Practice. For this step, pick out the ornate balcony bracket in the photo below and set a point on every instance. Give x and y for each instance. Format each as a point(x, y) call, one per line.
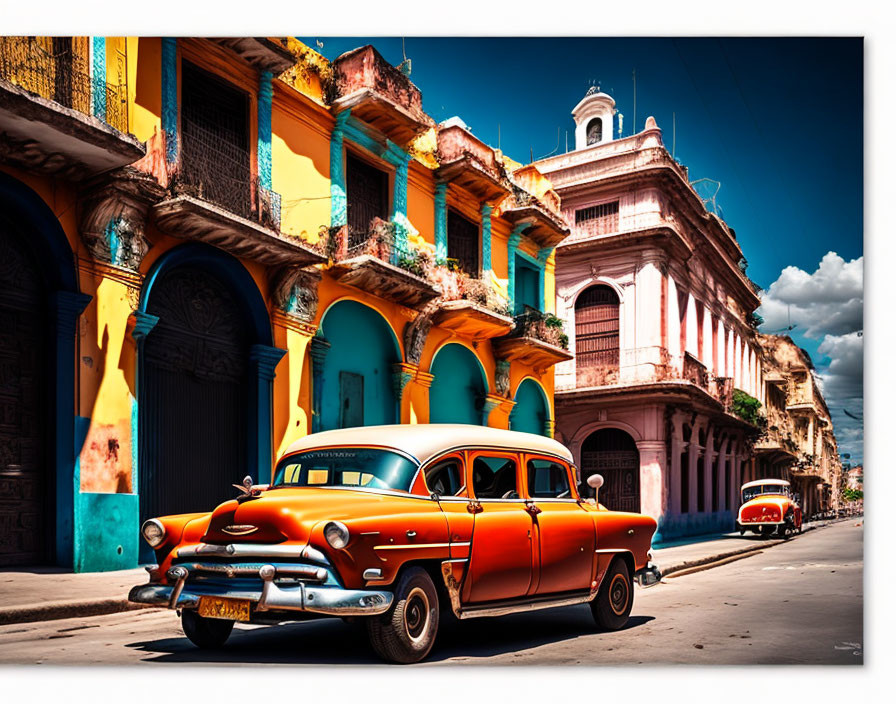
point(114, 212)
point(295, 292)
point(415, 334)
point(502, 377)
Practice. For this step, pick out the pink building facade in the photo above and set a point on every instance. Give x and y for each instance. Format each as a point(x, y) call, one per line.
point(658, 314)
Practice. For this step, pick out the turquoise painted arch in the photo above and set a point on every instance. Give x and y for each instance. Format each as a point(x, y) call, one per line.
point(531, 410)
point(357, 376)
point(459, 386)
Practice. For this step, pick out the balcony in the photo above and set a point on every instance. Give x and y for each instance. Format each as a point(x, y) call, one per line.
point(536, 340)
point(379, 94)
point(374, 262)
point(470, 164)
point(695, 372)
point(48, 103)
point(262, 53)
point(469, 306)
point(214, 198)
point(545, 228)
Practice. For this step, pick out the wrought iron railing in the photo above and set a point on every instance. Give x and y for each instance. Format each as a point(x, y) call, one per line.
point(57, 68)
point(214, 169)
point(545, 327)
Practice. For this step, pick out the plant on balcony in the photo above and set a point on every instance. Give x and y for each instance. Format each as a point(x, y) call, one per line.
point(748, 408)
point(756, 320)
point(546, 327)
point(456, 285)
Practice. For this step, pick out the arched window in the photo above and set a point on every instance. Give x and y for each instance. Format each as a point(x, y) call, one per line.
point(595, 132)
point(597, 334)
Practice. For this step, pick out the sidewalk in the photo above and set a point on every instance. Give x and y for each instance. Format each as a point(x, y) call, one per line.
point(47, 593)
point(704, 550)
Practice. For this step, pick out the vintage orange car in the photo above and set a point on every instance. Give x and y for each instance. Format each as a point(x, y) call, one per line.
point(393, 524)
point(768, 507)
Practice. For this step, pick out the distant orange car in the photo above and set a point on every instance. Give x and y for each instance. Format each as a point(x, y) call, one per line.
point(391, 523)
point(769, 506)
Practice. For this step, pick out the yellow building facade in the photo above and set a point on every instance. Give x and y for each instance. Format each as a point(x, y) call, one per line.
point(213, 247)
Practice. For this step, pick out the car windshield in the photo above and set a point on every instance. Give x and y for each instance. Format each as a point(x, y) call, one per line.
point(754, 491)
point(346, 467)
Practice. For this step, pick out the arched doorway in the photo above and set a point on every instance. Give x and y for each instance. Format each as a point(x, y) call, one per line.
point(597, 336)
point(458, 386)
point(26, 478)
point(195, 394)
point(613, 454)
point(356, 381)
point(531, 412)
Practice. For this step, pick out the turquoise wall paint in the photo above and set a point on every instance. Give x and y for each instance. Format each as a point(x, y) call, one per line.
point(531, 411)
point(338, 203)
point(361, 342)
point(458, 387)
point(108, 532)
point(169, 97)
point(265, 96)
point(513, 243)
point(441, 224)
point(527, 290)
point(98, 71)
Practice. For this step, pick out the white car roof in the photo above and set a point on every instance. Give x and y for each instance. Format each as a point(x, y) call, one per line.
point(759, 482)
point(425, 441)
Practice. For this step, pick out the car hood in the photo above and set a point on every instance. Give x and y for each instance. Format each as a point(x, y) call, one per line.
point(289, 514)
point(755, 506)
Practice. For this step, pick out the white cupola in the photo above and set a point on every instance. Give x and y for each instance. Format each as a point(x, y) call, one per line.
point(594, 118)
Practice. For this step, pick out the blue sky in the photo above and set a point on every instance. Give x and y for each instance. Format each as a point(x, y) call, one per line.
point(777, 121)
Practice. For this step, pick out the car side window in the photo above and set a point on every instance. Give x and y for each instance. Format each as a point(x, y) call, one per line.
point(495, 478)
point(547, 480)
point(445, 478)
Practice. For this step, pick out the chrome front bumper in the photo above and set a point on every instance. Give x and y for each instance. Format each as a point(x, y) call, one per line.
point(648, 576)
point(327, 600)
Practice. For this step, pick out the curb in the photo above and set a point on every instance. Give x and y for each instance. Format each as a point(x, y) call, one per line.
point(55, 610)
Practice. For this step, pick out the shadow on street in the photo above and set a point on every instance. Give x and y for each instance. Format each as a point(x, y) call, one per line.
point(334, 642)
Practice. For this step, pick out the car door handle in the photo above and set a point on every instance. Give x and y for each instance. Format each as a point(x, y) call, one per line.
point(474, 507)
point(532, 509)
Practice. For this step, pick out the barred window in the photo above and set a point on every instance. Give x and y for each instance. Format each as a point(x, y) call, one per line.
point(603, 211)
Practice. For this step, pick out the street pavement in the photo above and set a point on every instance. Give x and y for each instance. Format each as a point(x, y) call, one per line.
point(797, 602)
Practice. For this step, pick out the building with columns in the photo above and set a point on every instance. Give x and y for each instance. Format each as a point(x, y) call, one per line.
point(211, 247)
point(798, 442)
point(659, 316)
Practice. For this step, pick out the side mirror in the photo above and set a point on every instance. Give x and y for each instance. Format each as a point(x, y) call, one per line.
point(595, 481)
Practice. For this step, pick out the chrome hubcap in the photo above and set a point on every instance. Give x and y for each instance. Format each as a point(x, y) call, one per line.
point(416, 614)
point(618, 595)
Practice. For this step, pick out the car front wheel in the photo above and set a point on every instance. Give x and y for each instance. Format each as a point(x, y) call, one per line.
point(407, 632)
point(206, 633)
point(613, 603)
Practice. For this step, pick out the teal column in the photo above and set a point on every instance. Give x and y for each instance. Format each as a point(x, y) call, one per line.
point(338, 202)
point(486, 240)
point(512, 243)
point(543, 255)
point(263, 361)
point(441, 202)
point(317, 349)
point(98, 76)
point(265, 98)
point(169, 97)
point(66, 307)
point(400, 207)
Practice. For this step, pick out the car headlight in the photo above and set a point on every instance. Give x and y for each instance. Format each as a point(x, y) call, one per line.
point(337, 534)
point(153, 532)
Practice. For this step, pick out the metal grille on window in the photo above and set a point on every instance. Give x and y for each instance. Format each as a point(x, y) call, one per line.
point(600, 219)
point(597, 328)
point(463, 243)
point(368, 198)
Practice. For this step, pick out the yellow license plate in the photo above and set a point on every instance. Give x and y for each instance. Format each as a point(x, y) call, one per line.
point(222, 607)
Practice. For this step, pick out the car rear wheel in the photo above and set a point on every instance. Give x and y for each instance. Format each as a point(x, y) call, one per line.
point(613, 603)
point(406, 633)
point(207, 633)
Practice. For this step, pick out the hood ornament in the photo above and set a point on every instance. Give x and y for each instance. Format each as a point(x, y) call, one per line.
point(243, 529)
point(246, 486)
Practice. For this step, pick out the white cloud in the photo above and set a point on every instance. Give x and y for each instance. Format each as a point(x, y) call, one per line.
point(828, 301)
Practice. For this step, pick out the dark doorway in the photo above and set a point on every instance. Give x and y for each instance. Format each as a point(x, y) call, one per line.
point(26, 507)
point(351, 400)
point(367, 195)
point(613, 454)
point(463, 243)
point(194, 404)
